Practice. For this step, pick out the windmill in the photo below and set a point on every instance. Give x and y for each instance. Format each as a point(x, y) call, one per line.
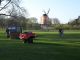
point(45, 19)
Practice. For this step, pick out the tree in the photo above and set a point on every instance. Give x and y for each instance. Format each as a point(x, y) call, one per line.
point(49, 22)
point(15, 12)
point(2, 21)
point(12, 8)
point(33, 20)
point(55, 21)
point(75, 23)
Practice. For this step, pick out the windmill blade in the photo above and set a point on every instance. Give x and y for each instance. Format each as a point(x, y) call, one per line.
point(44, 11)
point(48, 11)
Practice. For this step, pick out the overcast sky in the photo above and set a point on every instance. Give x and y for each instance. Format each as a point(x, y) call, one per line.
point(64, 10)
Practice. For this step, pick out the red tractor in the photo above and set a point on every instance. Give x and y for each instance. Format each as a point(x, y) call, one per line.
point(27, 37)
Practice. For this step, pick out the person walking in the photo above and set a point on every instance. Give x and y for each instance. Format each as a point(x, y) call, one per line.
point(61, 32)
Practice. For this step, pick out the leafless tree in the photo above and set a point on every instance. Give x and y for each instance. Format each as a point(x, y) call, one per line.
point(12, 8)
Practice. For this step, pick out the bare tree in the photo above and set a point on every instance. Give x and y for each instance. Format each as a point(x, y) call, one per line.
point(55, 21)
point(12, 8)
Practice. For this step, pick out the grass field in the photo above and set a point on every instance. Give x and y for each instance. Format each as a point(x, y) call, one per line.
point(47, 46)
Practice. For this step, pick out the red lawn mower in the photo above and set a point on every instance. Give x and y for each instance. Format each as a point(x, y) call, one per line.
point(27, 37)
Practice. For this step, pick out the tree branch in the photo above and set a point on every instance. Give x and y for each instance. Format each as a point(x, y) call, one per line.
point(5, 5)
point(18, 6)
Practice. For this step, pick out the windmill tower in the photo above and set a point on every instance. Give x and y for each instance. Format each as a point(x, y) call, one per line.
point(45, 19)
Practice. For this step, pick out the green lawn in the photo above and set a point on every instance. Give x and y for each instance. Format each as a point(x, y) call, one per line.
point(47, 46)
